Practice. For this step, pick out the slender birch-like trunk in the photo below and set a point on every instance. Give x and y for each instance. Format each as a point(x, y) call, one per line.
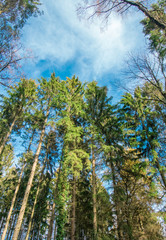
point(94, 196)
point(15, 193)
point(29, 185)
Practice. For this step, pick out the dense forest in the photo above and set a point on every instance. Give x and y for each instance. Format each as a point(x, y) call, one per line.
point(73, 165)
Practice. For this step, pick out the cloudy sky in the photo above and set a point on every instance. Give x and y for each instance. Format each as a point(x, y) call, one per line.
point(61, 42)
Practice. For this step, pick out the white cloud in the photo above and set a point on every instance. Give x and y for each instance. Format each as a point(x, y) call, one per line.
point(59, 37)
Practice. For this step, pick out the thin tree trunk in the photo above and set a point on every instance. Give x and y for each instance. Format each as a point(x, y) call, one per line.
point(34, 204)
point(51, 222)
point(55, 231)
point(29, 185)
point(94, 196)
point(12, 204)
point(21, 232)
point(53, 209)
point(73, 209)
point(13, 223)
point(10, 224)
point(116, 202)
point(7, 135)
point(15, 193)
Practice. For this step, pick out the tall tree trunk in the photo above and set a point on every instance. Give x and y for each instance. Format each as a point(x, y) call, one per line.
point(34, 204)
point(116, 202)
point(51, 222)
point(12, 227)
point(53, 208)
point(29, 185)
point(94, 196)
point(55, 231)
point(7, 135)
point(73, 209)
point(16, 191)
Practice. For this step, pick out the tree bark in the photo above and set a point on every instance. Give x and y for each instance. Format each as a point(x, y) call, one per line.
point(29, 185)
point(7, 135)
point(10, 224)
point(12, 204)
point(53, 209)
point(12, 227)
point(116, 202)
point(147, 13)
point(94, 196)
point(51, 222)
point(73, 209)
point(15, 193)
point(55, 231)
point(34, 204)
point(121, 4)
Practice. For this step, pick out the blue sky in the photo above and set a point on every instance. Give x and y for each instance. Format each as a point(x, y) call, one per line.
point(60, 42)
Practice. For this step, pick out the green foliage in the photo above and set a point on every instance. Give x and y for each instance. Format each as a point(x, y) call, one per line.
point(86, 139)
point(155, 34)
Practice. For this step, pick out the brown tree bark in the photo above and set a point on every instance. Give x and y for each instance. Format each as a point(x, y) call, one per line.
point(12, 227)
point(15, 193)
point(29, 185)
point(34, 204)
point(106, 6)
point(116, 202)
point(53, 209)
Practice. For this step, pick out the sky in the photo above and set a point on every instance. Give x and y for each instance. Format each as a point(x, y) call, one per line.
point(62, 43)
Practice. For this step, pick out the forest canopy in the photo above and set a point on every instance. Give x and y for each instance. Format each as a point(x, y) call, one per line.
point(73, 165)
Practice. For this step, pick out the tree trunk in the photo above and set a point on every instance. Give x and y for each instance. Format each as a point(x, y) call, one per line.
point(53, 209)
point(55, 231)
point(147, 13)
point(73, 209)
point(51, 222)
point(94, 196)
point(34, 204)
point(29, 185)
point(12, 204)
point(15, 193)
point(12, 227)
point(7, 135)
point(116, 202)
